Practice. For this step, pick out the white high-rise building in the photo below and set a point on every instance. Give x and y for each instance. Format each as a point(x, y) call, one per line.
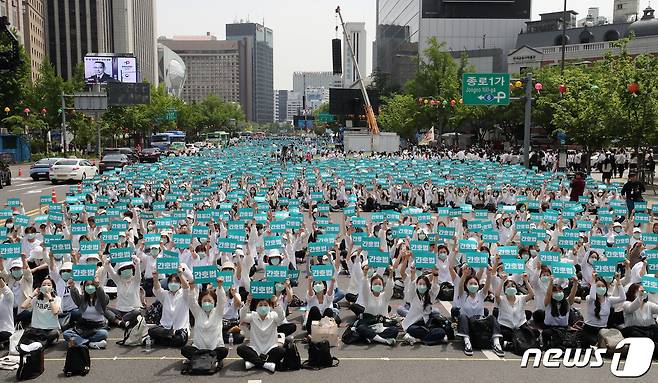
point(145, 40)
point(302, 80)
point(356, 32)
point(625, 11)
point(294, 105)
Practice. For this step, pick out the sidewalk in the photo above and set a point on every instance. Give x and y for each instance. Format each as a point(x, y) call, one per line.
point(651, 195)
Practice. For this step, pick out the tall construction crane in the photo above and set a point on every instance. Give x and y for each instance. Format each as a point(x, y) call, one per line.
point(370, 114)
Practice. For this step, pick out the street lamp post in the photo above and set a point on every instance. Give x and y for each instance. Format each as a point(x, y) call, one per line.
point(564, 35)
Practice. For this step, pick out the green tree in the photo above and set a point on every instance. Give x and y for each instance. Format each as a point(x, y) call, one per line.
point(398, 114)
point(14, 84)
point(220, 115)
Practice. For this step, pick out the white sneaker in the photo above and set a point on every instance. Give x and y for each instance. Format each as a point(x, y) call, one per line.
point(269, 366)
point(409, 339)
point(98, 345)
point(248, 365)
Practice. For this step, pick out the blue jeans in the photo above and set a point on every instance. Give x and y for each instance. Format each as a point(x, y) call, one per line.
point(338, 295)
point(630, 204)
point(70, 334)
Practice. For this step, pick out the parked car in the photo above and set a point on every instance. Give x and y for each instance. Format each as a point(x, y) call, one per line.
point(149, 155)
point(113, 161)
point(41, 168)
point(127, 151)
point(72, 169)
point(5, 175)
point(176, 148)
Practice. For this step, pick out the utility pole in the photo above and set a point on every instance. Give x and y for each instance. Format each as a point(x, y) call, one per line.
point(528, 121)
point(63, 123)
point(564, 36)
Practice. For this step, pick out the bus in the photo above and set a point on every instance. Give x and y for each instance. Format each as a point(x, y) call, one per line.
point(162, 141)
point(218, 138)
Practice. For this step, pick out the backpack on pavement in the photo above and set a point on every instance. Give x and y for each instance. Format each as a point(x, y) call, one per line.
point(31, 361)
point(77, 362)
point(135, 334)
point(319, 356)
point(291, 360)
point(202, 364)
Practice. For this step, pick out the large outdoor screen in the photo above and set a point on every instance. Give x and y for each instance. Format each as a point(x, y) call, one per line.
point(104, 69)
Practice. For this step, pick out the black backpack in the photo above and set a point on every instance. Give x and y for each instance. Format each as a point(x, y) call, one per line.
point(77, 361)
point(446, 292)
point(481, 332)
point(319, 356)
point(523, 339)
point(153, 313)
point(30, 364)
point(202, 364)
point(291, 360)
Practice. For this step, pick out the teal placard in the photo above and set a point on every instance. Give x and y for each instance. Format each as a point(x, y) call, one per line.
point(60, 246)
point(119, 225)
point(293, 275)
point(605, 269)
point(10, 250)
point(615, 253)
point(83, 273)
point(419, 246)
point(167, 265)
point(650, 284)
point(276, 273)
point(272, 242)
point(90, 247)
point(622, 240)
point(566, 242)
point(205, 274)
point(152, 239)
point(490, 236)
point(121, 254)
point(424, 259)
point(549, 257)
point(318, 249)
point(477, 259)
point(182, 241)
point(262, 290)
point(200, 231)
point(322, 272)
point(445, 232)
point(514, 265)
point(79, 229)
point(226, 245)
point(467, 245)
point(562, 270)
point(21, 220)
point(650, 239)
point(370, 243)
point(378, 258)
point(13, 202)
point(598, 242)
point(227, 278)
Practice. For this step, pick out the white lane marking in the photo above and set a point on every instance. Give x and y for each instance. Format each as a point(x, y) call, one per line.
point(35, 186)
point(490, 355)
point(254, 381)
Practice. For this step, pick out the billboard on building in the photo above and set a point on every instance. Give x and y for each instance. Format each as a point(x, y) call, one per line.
point(102, 69)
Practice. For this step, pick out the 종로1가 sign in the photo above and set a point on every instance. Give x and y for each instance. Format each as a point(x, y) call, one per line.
point(485, 88)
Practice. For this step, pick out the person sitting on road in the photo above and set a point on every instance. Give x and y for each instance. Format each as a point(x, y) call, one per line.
point(60, 276)
point(174, 324)
point(263, 317)
point(319, 302)
point(6, 313)
point(283, 291)
point(374, 324)
point(511, 307)
point(90, 329)
point(127, 277)
point(207, 309)
point(46, 306)
point(599, 307)
point(19, 280)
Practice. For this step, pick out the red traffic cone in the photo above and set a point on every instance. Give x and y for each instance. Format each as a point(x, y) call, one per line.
point(20, 172)
point(53, 196)
point(80, 187)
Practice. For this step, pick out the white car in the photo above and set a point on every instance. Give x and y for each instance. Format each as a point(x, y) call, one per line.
point(72, 169)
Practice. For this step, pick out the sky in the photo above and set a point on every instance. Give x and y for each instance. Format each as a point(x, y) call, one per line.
point(303, 29)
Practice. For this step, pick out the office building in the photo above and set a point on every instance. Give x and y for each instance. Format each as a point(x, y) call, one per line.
point(213, 66)
point(356, 32)
point(34, 33)
point(13, 11)
point(396, 41)
point(172, 72)
point(302, 80)
point(625, 11)
point(593, 18)
point(145, 43)
point(294, 105)
point(315, 96)
point(484, 30)
point(75, 28)
point(584, 44)
point(258, 69)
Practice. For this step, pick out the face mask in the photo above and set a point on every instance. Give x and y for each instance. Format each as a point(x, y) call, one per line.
point(617, 229)
point(125, 274)
point(58, 257)
point(263, 310)
point(44, 289)
point(377, 288)
point(318, 288)
point(422, 289)
point(279, 287)
point(10, 226)
point(422, 237)
point(203, 240)
point(600, 291)
point(371, 272)
point(636, 236)
point(558, 296)
point(66, 275)
point(473, 288)
point(544, 279)
point(173, 287)
point(207, 306)
point(17, 274)
point(510, 291)
point(275, 261)
point(525, 256)
point(507, 224)
point(443, 256)
point(201, 254)
point(90, 289)
point(31, 236)
point(150, 227)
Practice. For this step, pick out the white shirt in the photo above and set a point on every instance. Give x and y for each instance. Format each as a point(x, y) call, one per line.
point(377, 305)
point(312, 301)
point(473, 305)
point(42, 316)
point(6, 310)
point(175, 312)
point(262, 332)
point(417, 309)
point(558, 321)
point(230, 311)
point(512, 315)
point(207, 326)
point(63, 291)
point(606, 305)
point(127, 289)
point(638, 314)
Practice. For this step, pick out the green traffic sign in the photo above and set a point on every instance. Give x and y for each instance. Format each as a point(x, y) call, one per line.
point(485, 88)
point(325, 117)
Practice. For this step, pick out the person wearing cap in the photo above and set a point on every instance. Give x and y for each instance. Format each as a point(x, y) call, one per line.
point(207, 309)
point(19, 279)
point(127, 277)
point(46, 306)
point(6, 313)
point(174, 326)
point(90, 328)
point(60, 277)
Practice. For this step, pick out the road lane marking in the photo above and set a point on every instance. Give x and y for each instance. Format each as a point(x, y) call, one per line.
point(490, 355)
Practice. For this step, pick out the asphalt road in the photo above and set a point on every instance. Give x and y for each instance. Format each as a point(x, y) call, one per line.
point(29, 191)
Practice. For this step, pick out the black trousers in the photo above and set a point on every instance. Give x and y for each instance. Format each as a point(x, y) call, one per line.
point(287, 328)
point(589, 336)
point(367, 333)
point(4, 337)
point(168, 337)
point(190, 352)
point(315, 315)
point(650, 332)
point(247, 353)
point(47, 338)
